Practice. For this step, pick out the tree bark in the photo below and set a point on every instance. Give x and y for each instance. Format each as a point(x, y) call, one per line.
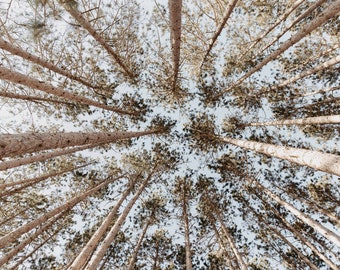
point(84, 23)
point(317, 160)
point(331, 236)
point(318, 120)
point(37, 60)
point(16, 77)
point(91, 245)
point(18, 144)
point(102, 248)
point(331, 11)
point(9, 238)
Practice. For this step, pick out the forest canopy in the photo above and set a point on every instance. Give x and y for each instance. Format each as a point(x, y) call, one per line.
point(169, 134)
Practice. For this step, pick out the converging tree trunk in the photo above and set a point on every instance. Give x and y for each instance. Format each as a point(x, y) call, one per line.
point(17, 144)
point(320, 161)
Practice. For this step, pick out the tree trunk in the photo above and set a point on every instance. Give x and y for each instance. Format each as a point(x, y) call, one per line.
point(16, 77)
point(298, 235)
point(101, 40)
point(133, 259)
point(91, 245)
point(5, 165)
point(229, 10)
point(329, 119)
point(175, 9)
point(14, 235)
point(316, 69)
point(18, 144)
point(35, 59)
point(331, 236)
point(331, 11)
point(320, 161)
point(102, 248)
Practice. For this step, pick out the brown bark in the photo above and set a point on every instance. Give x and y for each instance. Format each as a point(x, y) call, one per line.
point(11, 237)
point(18, 144)
point(16, 77)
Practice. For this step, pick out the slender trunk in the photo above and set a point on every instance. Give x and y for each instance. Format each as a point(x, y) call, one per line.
point(331, 236)
point(102, 248)
point(329, 119)
point(302, 16)
point(35, 59)
point(232, 244)
point(91, 245)
point(188, 263)
point(35, 180)
point(298, 235)
point(320, 161)
point(175, 9)
point(331, 11)
point(14, 251)
point(316, 69)
point(16, 77)
point(5, 165)
point(101, 40)
point(34, 99)
point(282, 18)
point(133, 259)
point(283, 238)
point(14, 235)
point(18, 144)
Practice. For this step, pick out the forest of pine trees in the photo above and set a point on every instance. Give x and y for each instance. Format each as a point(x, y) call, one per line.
point(170, 134)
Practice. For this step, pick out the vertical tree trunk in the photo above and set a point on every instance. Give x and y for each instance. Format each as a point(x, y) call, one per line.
point(320, 161)
point(133, 259)
point(17, 144)
point(11, 237)
point(16, 77)
point(35, 59)
point(329, 119)
point(91, 245)
point(102, 248)
point(331, 236)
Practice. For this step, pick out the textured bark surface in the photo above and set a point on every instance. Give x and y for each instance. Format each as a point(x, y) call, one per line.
point(317, 160)
point(17, 144)
point(328, 119)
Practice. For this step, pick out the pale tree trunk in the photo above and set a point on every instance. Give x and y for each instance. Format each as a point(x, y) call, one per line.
point(133, 259)
point(316, 69)
point(102, 248)
point(5, 165)
point(220, 240)
point(14, 251)
point(175, 9)
point(328, 119)
point(35, 180)
point(18, 144)
point(37, 100)
point(317, 160)
point(16, 77)
point(331, 236)
point(91, 245)
point(14, 235)
point(231, 242)
point(298, 235)
point(22, 259)
point(37, 60)
point(185, 217)
point(283, 238)
point(229, 10)
point(282, 18)
point(101, 40)
point(302, 16)
point(323, 17)
point(322, 91)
